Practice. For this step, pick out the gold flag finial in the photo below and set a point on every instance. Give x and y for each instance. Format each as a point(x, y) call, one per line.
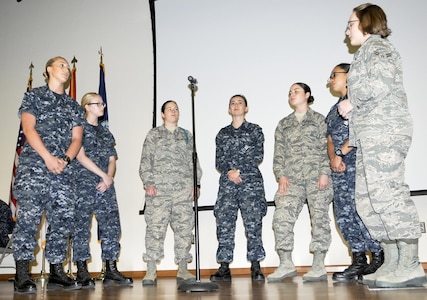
point(31, 67)
point(100, 54)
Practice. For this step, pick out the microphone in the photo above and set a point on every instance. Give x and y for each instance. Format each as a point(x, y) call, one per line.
point(192, 80)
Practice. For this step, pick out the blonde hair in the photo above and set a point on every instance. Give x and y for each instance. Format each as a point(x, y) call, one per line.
point(87, 98)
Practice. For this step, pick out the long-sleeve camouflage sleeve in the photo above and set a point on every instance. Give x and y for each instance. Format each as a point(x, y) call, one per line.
point(241, 149)
point(300, 147)
point(167, 158)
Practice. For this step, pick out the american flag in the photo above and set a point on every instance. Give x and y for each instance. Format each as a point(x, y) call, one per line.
point(19, 146)
point(102, 92)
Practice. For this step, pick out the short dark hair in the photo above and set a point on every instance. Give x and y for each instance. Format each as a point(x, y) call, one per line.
point(344, 66)
point(306, 89)
point(241, 96)
point(164, 105)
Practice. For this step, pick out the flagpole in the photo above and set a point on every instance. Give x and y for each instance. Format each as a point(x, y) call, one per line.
point(104, 122)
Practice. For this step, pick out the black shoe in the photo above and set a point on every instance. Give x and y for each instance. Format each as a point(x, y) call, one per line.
point(256, 273)
point(113, 276)
point(376, 261)
point(355, 270)
point(58, 280)
point(223, 273)
point(23, 282)
point(83, 276)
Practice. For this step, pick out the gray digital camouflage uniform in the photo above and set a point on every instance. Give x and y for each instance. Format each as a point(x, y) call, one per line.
point(240, 149)
point(167, 164)
point(99, 145)
point(38, 190)
point(300, 155)
point(381, 129)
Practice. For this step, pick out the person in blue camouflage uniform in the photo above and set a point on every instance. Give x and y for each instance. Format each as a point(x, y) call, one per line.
point(302, 170)
point(96, 194)
point(166, 170)
point(381, 128)
point(239, 152)
point(6, 223)
point(52, 123)
point(343, 164)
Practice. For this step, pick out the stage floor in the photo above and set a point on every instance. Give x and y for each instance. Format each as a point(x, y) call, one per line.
point(240, 288)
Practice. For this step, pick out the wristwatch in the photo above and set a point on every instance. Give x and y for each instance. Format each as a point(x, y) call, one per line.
point(339, 153)
point(66, 158)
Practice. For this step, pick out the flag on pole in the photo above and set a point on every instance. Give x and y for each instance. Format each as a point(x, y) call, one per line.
point(19, 146)
point(102, 91)
point(72, 89)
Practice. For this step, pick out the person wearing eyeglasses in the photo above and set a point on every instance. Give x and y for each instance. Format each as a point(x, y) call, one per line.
point(301, 167)
point(96, 196)
point(166, 170)
point(52, 123)
point(343, 164)
point(381, 129)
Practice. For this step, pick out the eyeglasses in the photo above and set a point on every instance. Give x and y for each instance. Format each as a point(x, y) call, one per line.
point(334, 74)
point(350, 24)
point(102, 104)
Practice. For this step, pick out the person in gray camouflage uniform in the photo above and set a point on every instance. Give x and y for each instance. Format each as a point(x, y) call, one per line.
point(301, 167)
point(96, 194)
point(239, 151)
point(343, 164)
point(381, 129)
point(52, 123)
point(166, 170)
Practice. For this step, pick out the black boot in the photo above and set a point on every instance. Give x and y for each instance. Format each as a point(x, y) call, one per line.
point(256, 272)
point(83, 276)
point(376, 261)
point(58, 280)
point(354, 270)
point(223, 273)
point(113, 276)
point(23, 282)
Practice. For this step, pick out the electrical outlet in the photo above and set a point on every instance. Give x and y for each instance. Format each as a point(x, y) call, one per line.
point(423, 227)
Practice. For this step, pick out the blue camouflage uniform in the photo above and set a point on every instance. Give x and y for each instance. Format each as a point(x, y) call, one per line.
point(241, 149)
point(99, 145)
point(36, 188)
point(348, 220)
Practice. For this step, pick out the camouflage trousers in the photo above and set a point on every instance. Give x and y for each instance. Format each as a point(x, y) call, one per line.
point(174, 208)
point(348, 220)
point(104, 207)
point(382, 197)
point(290, 205)
point(249, 198)
point(39, 191)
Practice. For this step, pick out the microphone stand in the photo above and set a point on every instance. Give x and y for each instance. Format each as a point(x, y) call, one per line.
point(196, 286)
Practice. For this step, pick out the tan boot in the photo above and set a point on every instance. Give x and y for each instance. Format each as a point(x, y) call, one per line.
point(409, 272)
point(285, 269)
point(183, 274)
point(150, 277)
point(318, 270)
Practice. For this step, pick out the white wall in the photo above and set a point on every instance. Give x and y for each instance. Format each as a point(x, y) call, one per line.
point(304, 39)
